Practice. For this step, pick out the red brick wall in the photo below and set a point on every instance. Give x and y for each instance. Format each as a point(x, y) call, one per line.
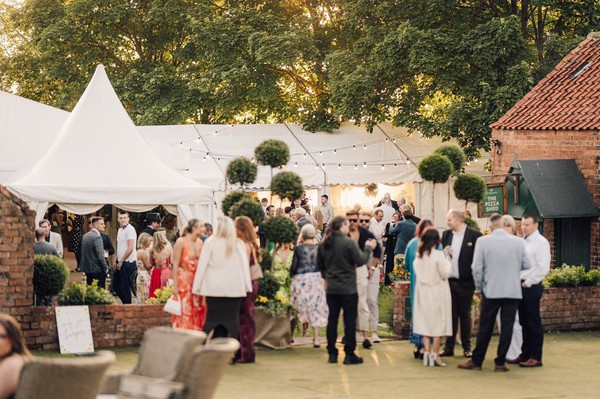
point(582, 146)
point(563, 309)
point(113, 325)
point(16, 253)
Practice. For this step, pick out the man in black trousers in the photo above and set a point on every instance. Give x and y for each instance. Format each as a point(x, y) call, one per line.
point(459, 242)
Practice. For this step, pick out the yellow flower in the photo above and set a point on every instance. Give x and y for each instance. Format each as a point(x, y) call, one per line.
point(280, 298)
point(262, 299)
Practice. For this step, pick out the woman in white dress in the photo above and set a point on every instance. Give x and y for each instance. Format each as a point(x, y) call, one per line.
point(144, 266)
point(432, 304)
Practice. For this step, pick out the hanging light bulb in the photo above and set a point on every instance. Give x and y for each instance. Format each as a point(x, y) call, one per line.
point(355, 166)
point(476, 160)
point(354, 147)
point(468, 163)
point(323, 165)
point(382, 167)
point(295, 164)
point(339, 166)
point(395, 165)
point(316, 166)
point(386, 140)
point(321, 153)
point(204, 158)
point(394, 141)
point(215, 133)
point(407, 161)
point(304, 155)
point(364, 147)
point(364, 164)
point(335, 151)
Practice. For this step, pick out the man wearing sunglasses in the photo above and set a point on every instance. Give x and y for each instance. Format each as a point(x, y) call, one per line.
point(360, 234)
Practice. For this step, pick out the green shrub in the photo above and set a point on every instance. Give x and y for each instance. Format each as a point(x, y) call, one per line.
point(268, 285)
point(273, 153)
point(80, 294)
point(248, 207)
point(162, 295)
point(436, 168)
point(469, 188)
point(472, 224)
point(231, 199)
point(266, 259)
point(455, 155)
point(572, 276)
point(241, 171)
point(281, 229)
point(287, 185)
point(50, 275)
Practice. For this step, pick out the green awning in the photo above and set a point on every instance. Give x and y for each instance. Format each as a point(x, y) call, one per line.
point(552, 188)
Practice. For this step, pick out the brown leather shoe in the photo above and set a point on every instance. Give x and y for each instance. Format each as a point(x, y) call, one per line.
point(531, 363)
point(516, 360)
point(469, 365)
point(502, 368)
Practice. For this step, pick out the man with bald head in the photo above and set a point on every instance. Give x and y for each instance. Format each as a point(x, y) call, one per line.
point(459, 244)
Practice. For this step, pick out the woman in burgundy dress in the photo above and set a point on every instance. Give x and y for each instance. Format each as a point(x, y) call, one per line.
point(247, 352)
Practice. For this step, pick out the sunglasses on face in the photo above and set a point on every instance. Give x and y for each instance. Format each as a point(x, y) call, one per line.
point(353, 220)
point(365, 220)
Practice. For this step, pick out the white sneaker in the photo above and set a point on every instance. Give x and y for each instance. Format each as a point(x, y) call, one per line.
point(375, 338)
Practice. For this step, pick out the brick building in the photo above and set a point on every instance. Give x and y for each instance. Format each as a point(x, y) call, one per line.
point(559, 119)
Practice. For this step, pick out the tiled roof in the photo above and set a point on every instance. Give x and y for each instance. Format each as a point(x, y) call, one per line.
point(568, 98)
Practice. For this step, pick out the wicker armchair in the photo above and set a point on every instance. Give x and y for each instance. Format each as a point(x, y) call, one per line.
point(165, 354)
point(61, 378)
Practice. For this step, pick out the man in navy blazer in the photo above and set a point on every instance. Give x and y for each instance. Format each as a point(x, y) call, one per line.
point(459, 243)
point(499, 259)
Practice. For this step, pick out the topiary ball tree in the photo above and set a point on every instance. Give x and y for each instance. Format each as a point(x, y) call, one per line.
point(287, 185)
point(241, 171)
point(248, 207)
point(455, 155)
point(281, 229)
point(50, 275)
point(273, 153)
point(435, 168)
point(231, 199)
point(469, 188)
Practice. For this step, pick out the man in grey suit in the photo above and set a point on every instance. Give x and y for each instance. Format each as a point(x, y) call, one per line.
point(93, 263)
point(497, 264)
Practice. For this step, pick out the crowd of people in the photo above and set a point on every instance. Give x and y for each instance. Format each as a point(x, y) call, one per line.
point(336, 265)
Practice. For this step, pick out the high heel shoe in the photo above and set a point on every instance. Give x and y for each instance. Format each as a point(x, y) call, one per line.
point(436, 361)
point(316, 343)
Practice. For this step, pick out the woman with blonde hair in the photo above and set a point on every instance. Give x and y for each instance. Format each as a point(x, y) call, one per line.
point(308, 291)
point(223, 279)
point(13, 355)
point(160, 256)
point(144, 267)
point(245, 231)
point(186, 254)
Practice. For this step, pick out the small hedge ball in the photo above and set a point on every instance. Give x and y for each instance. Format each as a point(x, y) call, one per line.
point(241, 171)
point(273, 153)
point(231, 199)
point(436, 168)
point(287, 185)
point(281, 229)
point(469, 187)
point(248, 207)
point(50, 275)
point(455, 155)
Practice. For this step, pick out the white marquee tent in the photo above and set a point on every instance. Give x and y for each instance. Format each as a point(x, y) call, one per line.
point(100, 158)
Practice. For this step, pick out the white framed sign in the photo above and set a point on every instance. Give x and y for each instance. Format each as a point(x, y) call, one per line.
point(74, 329)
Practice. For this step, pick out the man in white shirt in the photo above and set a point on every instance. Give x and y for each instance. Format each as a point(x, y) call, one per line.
point(126, 257)
point(538, 252)
point(377, 227)
point(51, 237)
point(388, 207)
point(327, 210)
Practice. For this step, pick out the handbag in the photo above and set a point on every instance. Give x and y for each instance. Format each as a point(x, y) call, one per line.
point(173, 306)
point(255, 270)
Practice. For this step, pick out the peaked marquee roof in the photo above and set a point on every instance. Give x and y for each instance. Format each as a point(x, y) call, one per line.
point(99, 157)
point(568, 98)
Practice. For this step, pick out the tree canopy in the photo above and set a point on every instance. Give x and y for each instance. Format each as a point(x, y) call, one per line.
point(443, 68)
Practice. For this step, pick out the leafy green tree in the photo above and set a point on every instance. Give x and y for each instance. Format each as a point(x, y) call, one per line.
point(281, 229)
point(273, 153)
point(231, 199)
point(248, 207)
point(455, 155)
point(287, 185)
point(469, 188)
point(241, 171)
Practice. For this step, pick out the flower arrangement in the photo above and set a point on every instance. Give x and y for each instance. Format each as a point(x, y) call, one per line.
point(269, 299)
point(400, 271)
point(162, 295)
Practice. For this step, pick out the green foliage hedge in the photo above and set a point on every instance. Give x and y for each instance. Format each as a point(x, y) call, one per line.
point(281, 229)
point(50, 275)
point(241, 171)
point(436, 168)
point(455, 155)
point(287, 185)
point(231, 199)
point(273, 153)
point(572, 276)
point(248, 207)
point(80, 294)
point(469, 187)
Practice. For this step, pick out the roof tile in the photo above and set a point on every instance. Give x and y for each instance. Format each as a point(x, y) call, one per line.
point(562, 100)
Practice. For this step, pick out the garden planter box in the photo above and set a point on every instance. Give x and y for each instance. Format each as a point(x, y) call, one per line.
point(563, 309)
point(272, 331)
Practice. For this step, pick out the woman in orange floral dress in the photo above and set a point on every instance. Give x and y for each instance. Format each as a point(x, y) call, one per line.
point(186, 253)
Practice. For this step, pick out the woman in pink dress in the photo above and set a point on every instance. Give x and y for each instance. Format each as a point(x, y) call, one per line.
point(185, 262)
point(160, 256)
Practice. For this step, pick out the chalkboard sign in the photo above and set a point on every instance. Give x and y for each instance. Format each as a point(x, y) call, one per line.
point(74, 329)
point(494, 200)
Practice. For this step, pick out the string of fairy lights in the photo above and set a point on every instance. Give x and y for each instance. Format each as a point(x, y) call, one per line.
point(308, 158)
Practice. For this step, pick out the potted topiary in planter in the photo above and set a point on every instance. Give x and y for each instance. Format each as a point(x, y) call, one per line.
point(50, 275)
point(435, 168)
